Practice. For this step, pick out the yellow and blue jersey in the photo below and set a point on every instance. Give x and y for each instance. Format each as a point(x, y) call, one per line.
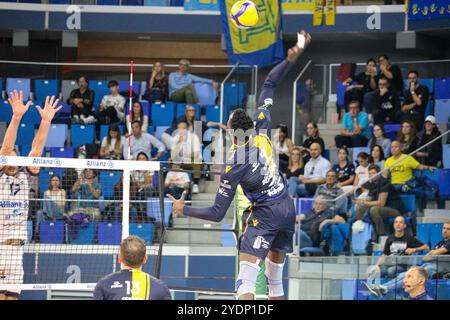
point(131, 284)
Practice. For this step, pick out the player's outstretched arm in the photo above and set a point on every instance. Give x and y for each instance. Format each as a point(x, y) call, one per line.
point(277, 74)
point(19, 108)
point(47, 114)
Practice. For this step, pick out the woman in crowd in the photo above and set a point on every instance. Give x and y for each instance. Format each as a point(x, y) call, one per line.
point(345, 171)
point(157, 85)
point(138, 114)
point(407, 137)
point(313, 134)
point(377, 156)
point(380, 138)
point(112, 145)
point(431, 155)
point(54, 202)
point(295, 167)
point(283, 146)
point(362, 171)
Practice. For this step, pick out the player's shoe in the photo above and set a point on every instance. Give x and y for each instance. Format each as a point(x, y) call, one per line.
point(375, 289)
point(195, 188)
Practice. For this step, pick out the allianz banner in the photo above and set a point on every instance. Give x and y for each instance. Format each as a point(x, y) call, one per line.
point(260, 45)
point(428, 9)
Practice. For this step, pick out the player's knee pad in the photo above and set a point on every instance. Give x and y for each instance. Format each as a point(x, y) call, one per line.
point(274, 275)
point(246, 281)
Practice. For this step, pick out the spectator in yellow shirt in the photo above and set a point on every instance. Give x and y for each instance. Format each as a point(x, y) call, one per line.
point(403, 170)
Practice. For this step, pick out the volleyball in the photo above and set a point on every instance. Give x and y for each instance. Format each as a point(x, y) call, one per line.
point(244, 14)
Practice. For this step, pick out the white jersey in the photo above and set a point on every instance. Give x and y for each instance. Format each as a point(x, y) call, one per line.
point(14, 204)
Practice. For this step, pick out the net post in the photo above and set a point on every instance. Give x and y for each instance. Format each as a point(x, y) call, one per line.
point(126, 204)
point(163, 226)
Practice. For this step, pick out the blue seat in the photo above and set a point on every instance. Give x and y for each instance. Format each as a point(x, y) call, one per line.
point(19, 84)
point(444, 185)
point(176, 3)
point(26, 149)
point(207, 158)
point(25, 134)
point(154, 210)
point(356, 151)
point(205, 93)
point(82, 134)
point(227, 238)
point(340, 92)
point(52, 232)
point(125, 85)
point(326, 154)
point(423, 233)
point(29, 231)
point(442, 110)
point(234, 94)
point(109, 233)
point(101, 89)
point(107, 181)
point(67, 86)
point(163, 114)
point(44, 88)
point(442, 88)
point(429, 83)
point(143, 88)
point(63, 152)
point(84, 235)
point(32, 116)
point(435, 232)
point(108, 2)
point(5, 111)
point(408, 203)
point(104, 130)
point(446, 155)
point(306, 205)
point(144, 231)
point(429, 110)
point(392, 130)
point(213, 113)
point(57, 136)
point(181, 110)
point(44, 178)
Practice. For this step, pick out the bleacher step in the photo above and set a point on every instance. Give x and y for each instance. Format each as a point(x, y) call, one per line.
point(436, 214)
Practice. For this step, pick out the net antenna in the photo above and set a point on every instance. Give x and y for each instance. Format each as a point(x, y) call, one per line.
point(130, 109)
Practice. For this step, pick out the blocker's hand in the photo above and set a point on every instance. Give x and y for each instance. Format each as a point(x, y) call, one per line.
point(16, 101)
point(50, 108)
point(177, 205)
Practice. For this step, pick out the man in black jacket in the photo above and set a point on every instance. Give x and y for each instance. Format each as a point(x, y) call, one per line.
point(416, 100)
point(387, 103)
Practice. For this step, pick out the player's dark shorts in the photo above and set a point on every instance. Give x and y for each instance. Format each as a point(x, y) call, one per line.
point(10, 294)
point(268, 226)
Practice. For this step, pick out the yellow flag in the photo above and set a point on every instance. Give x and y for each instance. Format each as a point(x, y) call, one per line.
point(318, 12)
point(330, 12)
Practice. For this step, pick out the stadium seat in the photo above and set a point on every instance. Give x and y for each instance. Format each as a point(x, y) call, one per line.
point(44, 88)
point(108, 2)
point(5, 111)
point(234, 94)
point(227, 238)
point(423, 233)
point(104, 130)
point(442, 110)
point(18, 84)
point(435, 232)
point(444, 185)
point(356, 151)
point(143, 230)
point(146, 107)
point(143, 88)
point(306, 205)
point(154, 210)
point(392, 130)
point(442, 88)
point(109, 233)
point(408, 202)
point(82, 134)
point(181, 110)
point(340, 91)
point(213, 113)
point(44, 178)
point(51, 232)
point(125, 85)
point(25, 134)
point(151, 129)
point(107, 181)
point(101, 89)
point(63, 152)
point(446, 155)
point(66, 88)
point(429, 83)
point(429, 110)
point(326, 154)
point(163, 114)
point(85, 235)
point(57, 136)
point(24, 151)
point(205, 93)
point(32, 116)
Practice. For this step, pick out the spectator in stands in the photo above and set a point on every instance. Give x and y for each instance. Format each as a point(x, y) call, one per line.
point(415, 283)
point(143, 142)
point(186, 149)
point(309, 223)
point(377, 156)
point(355, 130)
point(89, 189)
point(296, 166)
point(362, 170)
point(112, 106)
point(386, 105)
point(381, 200)
point(315, 173)
point(416, 101)
point(437, 264)
point(330, 191)
point(142, 186)
point(282, 146)
point(402, 172)
point(407, 137)
point(365, 82)
point(380, 138)
point(138, 115)
point(345, 170)
point(399, 244)
point(313, 136)
point(113, 144)
point(181, 84)
point(82, 100)
point(176, 181)
point(432, 154)
point(54, 202)
point(392, 72)
point(157, 85)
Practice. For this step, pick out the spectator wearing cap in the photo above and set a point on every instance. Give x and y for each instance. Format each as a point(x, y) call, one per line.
point(416, 100)
point(112, 106)
point(355, 130)
point(82, 100)
point(143, 142)
point(431, 155)
point(181, 84)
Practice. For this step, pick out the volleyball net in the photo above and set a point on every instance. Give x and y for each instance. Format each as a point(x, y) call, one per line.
point(62, 219)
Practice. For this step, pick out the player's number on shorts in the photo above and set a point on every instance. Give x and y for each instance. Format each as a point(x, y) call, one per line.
point(133, 287)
